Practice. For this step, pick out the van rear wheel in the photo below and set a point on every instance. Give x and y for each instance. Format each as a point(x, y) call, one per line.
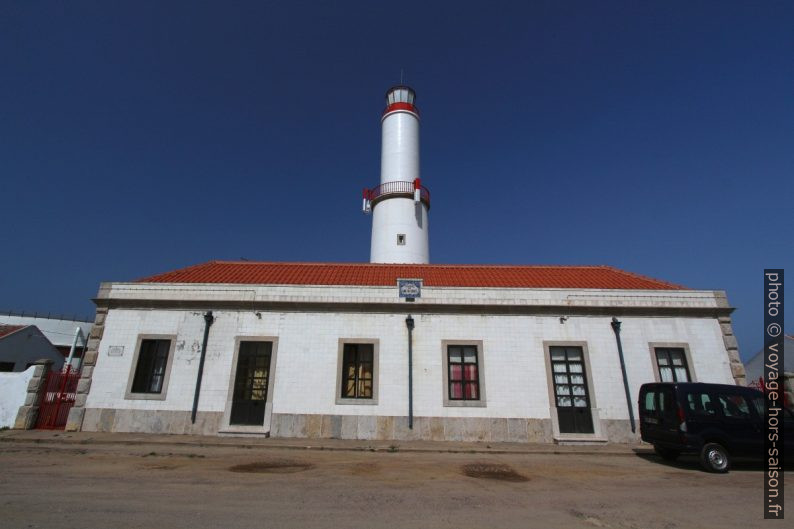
point(668, 454)
point(715, 458)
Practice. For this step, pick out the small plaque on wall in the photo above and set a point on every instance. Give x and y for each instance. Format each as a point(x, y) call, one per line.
point(116, 350)
point(409, 288)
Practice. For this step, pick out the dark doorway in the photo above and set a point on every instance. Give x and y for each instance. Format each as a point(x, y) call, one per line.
point(570, 390)
point(251, 383)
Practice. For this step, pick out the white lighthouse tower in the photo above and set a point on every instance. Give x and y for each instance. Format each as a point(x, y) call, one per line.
point(399, 205)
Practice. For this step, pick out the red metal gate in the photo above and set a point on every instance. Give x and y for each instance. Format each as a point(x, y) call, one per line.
point(57, 399)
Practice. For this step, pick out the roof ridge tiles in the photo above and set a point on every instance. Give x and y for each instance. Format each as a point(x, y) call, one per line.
point(9, 329)
point(181, 270)
point(645, 278)
point(403, 265)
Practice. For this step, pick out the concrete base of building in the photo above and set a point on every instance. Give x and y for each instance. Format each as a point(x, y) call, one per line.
point(150, 421)
point(619, 431)
point(363, 427)
point(369, 427)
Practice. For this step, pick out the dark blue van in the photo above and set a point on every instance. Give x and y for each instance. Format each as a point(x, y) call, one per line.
point(716, 421)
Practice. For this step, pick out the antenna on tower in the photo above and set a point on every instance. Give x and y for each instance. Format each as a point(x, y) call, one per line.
point(401, 76)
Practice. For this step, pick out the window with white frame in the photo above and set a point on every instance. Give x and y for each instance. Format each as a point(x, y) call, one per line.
point(672, 364)
point(151, 367)
point(358, 363)
point(464, 383)
point(357, 375)
point(464, 373)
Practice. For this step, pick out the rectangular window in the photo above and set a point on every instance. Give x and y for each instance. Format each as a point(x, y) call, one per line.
point(700, 403)
point(6, 367)
point(649, 404)
point(672, 364)
point(358, 368)
point(733, 405)
point(463, 372)
point(150, 370)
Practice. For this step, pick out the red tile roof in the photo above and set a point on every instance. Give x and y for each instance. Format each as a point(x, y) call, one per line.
point(8, 329)
point(434, 275)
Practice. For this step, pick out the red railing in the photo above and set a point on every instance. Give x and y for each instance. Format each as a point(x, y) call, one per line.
point(396, 188)
point(57, 399)
point(761, 386)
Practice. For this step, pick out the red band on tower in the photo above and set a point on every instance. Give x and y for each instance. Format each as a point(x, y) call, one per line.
point(401, 106)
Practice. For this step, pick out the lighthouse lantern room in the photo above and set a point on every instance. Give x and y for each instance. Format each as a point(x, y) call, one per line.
point(399, 205)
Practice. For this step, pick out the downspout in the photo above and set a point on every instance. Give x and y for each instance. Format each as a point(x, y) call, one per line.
point(208, 319)
point(409, 322)
point(77, 333)
point(616, 328)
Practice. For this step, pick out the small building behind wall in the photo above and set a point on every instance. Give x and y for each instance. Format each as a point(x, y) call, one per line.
point(60, 330)
point(500, 353)
point(22, 345)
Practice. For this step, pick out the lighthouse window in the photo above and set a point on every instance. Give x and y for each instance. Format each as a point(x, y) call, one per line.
point(401, 239)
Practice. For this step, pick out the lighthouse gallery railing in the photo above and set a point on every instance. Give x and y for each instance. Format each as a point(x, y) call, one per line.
point(396, 188)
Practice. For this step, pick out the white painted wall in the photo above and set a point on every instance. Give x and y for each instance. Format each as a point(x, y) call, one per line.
point(305, 375)
point(399, 215)
point(399, 155)
point(13, 390)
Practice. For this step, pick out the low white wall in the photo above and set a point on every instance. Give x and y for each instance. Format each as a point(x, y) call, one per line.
point(13, 389)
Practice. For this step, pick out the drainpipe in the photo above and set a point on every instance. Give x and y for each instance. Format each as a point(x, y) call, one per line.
point(616, 328)
point(409, 322)
point(77, 333)
point(208, 319)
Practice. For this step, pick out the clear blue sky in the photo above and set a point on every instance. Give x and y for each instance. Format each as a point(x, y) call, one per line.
point(139, 137)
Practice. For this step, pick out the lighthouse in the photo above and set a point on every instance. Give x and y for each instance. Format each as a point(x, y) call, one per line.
point(399, 205)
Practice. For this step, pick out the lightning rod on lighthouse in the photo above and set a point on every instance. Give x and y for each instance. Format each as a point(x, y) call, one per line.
point(399, 205)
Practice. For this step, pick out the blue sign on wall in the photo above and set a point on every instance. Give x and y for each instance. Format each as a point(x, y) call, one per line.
point(410, 288)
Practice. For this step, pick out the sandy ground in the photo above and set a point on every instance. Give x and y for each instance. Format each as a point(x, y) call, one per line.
point(52, 484)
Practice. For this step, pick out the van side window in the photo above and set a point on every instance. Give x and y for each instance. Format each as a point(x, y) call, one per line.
point(699, 403)
point(760, 405)
point(667, 407)
point(650, 402)
point(733, 406)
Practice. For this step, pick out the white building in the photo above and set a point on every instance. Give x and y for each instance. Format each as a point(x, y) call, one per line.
point(395, 351)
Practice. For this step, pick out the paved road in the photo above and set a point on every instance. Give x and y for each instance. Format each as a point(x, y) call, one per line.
point(51, 484)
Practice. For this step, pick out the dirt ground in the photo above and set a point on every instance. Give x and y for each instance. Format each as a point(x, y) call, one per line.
point(146, 485)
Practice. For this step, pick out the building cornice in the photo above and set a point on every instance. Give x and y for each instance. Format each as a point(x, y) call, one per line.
point(446, 300)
